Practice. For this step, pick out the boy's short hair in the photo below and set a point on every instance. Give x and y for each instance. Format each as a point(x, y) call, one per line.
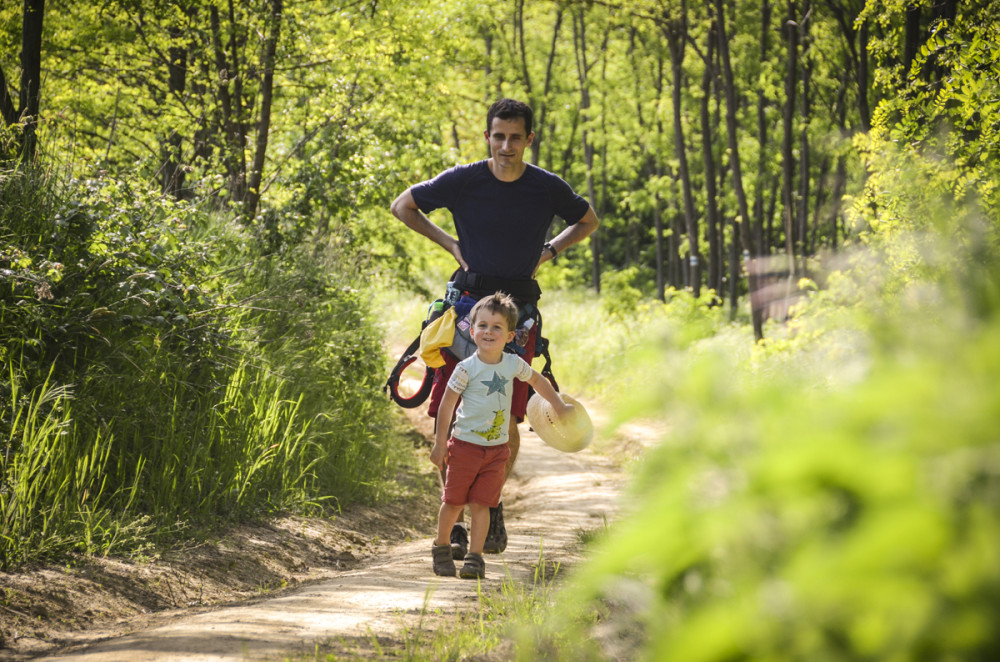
point(508, 109)
point(498, 302)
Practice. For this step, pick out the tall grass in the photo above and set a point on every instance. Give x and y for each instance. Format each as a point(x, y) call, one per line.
point(56, 482)
point(160, 371)
point(593, 340)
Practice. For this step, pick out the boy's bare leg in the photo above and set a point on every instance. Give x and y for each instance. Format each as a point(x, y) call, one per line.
point(447, 516)
point(480, 516)
point(443, 472)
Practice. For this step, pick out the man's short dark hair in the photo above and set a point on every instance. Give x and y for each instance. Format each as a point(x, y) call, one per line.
point(508, 109)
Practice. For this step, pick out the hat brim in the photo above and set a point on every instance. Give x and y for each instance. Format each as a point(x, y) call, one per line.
point(570, 434)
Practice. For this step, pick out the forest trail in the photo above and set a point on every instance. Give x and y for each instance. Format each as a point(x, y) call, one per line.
point(550, 498)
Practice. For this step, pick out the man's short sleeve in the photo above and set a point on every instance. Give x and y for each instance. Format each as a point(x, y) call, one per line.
point(439, 192)
point(570, 206)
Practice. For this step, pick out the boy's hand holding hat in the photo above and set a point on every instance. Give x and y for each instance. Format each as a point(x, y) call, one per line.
point(569, 430)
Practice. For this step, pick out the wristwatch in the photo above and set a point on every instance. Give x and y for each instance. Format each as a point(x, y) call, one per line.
point(547, 246)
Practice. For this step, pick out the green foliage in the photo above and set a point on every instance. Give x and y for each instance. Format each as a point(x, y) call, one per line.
point(592, 353)
point(832, 496)
point(150, 381)
point(834, 493)
point(371, 98)
point(311, 322)
point(947, 110)
point(619, 297)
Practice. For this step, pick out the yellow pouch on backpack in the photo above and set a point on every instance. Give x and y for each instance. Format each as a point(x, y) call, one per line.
point(439, 333)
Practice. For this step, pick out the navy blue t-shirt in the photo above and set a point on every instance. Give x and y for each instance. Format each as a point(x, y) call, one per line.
point(501, 225)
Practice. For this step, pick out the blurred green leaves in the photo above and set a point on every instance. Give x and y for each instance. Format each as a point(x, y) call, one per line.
point(831, 494)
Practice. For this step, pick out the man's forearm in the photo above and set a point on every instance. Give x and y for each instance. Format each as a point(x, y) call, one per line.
point(419, 223)
point(577, 232)
point(406, 210)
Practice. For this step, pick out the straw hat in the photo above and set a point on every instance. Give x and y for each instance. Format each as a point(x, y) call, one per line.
point(571, 434)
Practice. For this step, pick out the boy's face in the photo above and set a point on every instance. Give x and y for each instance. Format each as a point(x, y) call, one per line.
point(489, 331)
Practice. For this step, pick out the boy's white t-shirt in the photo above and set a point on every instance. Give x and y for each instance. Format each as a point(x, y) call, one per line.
point(483, 417)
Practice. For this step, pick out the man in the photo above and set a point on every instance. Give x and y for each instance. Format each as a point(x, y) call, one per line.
point(502, 208)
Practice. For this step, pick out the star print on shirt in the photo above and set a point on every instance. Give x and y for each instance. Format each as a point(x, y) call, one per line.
point(496, 385)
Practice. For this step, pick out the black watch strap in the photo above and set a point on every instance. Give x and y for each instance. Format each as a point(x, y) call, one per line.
point(550, 249)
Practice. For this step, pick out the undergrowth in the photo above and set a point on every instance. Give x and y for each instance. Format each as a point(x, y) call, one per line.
point(163, 367)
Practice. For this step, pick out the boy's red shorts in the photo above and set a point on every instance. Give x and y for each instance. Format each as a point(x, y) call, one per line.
point(475, 473)
point(519, 402)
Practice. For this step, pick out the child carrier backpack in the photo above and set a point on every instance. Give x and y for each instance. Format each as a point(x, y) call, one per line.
point(438, 333)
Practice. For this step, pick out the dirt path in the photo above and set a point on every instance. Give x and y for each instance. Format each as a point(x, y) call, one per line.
point(550, 498)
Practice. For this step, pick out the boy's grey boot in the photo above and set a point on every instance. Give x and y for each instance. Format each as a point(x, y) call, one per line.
point(474, 568)
point(444, 565)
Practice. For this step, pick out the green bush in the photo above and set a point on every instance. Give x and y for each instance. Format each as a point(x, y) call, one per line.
point(833, 493)
point(782, 521)
point(160, 367)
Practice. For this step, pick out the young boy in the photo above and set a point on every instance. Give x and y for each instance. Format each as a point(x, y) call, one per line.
point(477, 452)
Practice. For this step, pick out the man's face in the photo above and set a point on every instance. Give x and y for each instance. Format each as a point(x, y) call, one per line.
point(508, 141)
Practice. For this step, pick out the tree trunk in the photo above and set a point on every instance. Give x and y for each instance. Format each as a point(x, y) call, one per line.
point(857, 54)
point(542, 104)
point(519, 44)
point(864, 108)
point(749, 249)
point(911, 37)
point(762, 139)
point(675, 262)
point(31, 75)
point(658, 229)
point(839, 182)
point(567, 153)
point(7, 110)
point(708, 156)
point(488, 67)
point(675, 30)
point(821, 183)
point(252, 199)
point(735, 275)
point(171, 173)
point(655, 170)
point(772, 205)
point(802, 212)
point(582, 68)
point(788, 133)
point(233, 135)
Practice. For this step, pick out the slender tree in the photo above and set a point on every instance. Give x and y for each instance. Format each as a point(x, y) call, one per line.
point(763, 152)
point(805, 116)
point(675, 26)
point(252, 198)
point(708, 159)
point(791, 31)
point(845, 12)
point(739, 227)
point(32, 19)
point(583, 72)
